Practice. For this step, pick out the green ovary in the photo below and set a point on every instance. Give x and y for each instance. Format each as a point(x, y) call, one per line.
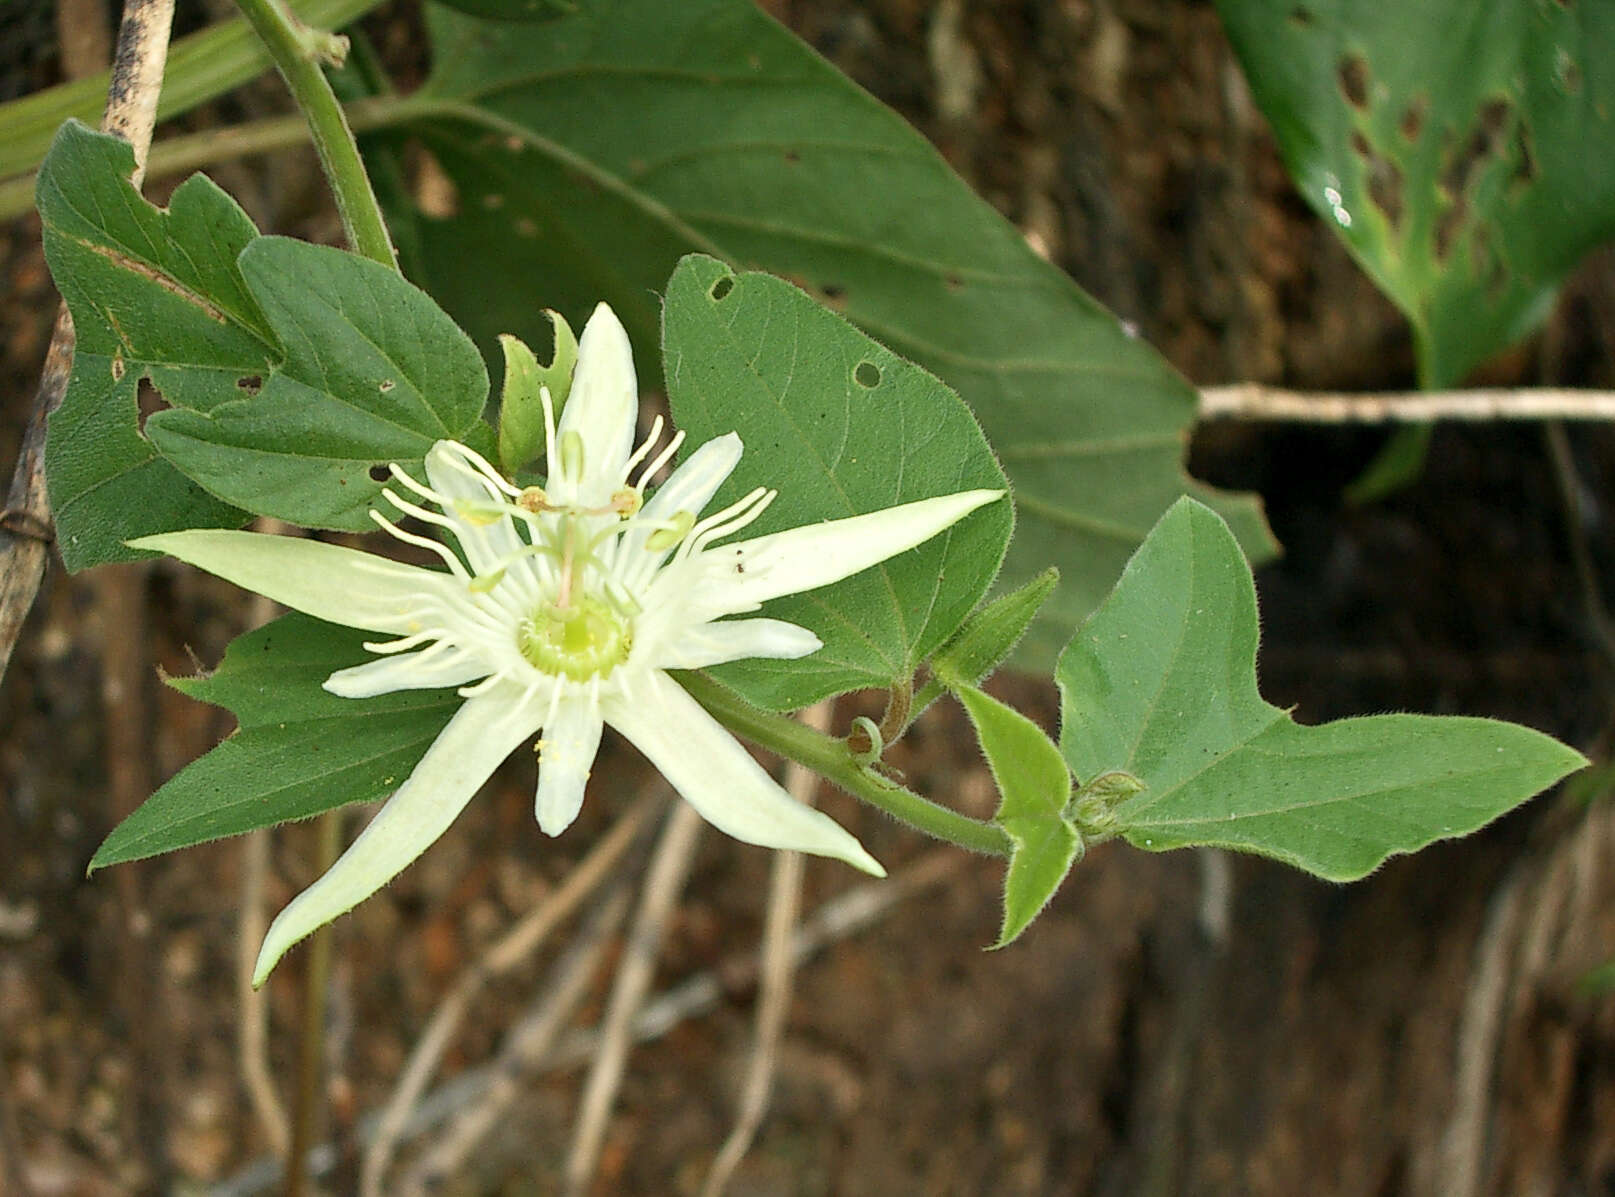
point(587, 639)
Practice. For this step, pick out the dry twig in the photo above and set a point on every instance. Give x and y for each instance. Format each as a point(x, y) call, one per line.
point(839, 918)
point(663, 886)
point(531, 1038)
point(1254, 401)
point(517, 945)
point(778, 970)
point(25, 523)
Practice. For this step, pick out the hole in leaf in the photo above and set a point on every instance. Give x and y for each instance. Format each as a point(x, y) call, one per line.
point(866, 375)
point(1353, 75)
point(251, 384)
point(1412, 122)
point(379, 473)
point(721, 288)
point(148, 400)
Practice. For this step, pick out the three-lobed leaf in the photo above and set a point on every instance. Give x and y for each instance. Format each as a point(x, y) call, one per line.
point(299, 750)
point(1160, 682)
point(840, 426)
point(373, 373)
point(284, 377)
point(147, 288)
point(593, 151)
point(1464, 152)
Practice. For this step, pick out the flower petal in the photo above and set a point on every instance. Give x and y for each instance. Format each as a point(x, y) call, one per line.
point(718, 777)
point(345, 586)
point(566, 753)
point(601, 409)
point(482, 733)
point(428, 669)
point(766, 567)
point(486, 541)
point(708, 644)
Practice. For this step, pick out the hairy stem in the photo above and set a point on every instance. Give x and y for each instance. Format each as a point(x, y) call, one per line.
point(832, 759)
point(298, 50)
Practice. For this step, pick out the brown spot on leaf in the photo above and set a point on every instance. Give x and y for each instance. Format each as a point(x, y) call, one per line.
point(379, 473)
point(251, 384)
point(1485, 141)
point(1353, 76)
point(1412, 122)
point(1384, 179)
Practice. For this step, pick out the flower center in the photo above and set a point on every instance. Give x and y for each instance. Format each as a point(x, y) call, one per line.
point(582, 640)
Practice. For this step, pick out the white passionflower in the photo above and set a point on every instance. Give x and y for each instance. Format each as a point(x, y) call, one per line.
point(560, 611)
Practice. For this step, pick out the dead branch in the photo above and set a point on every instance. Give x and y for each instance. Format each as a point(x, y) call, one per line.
point(516, 946)
point(1254, 401)
point(25, 521)
point(778, 971)
point(663, 886)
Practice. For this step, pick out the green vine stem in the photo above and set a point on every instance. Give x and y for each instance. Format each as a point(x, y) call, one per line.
point(204, 65)
point(832, 759)
point(298, 51)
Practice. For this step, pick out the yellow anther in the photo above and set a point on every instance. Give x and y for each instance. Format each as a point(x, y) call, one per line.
point(626, 502)
point(533, 499)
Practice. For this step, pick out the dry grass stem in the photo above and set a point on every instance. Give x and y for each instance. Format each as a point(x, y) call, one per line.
point(777, 971)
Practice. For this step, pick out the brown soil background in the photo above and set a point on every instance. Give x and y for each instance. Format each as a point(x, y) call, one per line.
point(1422, 1032)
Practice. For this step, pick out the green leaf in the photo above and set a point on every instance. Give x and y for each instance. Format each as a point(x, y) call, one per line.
point(299, 751)
point(840, 426)
point(1464, 152)
point(146, 287)
point(991, 633)
point(1160, 683)
point(1034, 786)
point(516, 10)
point(592, 152)
point(373, 373)
point(290, 372)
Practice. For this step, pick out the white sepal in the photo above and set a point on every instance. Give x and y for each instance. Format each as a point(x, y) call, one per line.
point(482, 733)
point(718, 777)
